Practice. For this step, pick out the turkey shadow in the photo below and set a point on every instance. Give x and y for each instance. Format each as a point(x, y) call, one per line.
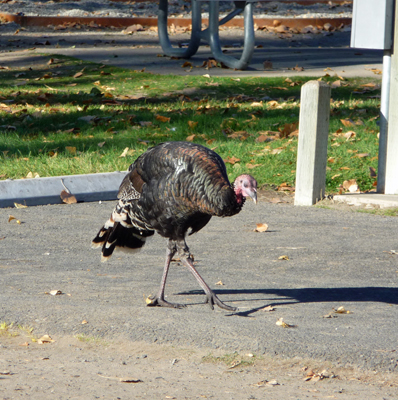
point(276, 297)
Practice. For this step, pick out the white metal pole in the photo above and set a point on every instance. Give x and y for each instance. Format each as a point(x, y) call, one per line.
point(384, 109)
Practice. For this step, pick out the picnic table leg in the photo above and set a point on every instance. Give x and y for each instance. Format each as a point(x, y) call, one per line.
point(195, 34)
point(248, 46)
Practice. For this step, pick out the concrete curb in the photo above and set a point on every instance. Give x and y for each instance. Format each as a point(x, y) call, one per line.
point(370, 199)
point(40, 191)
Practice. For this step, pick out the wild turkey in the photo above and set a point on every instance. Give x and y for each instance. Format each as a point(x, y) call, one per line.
point(171, 188)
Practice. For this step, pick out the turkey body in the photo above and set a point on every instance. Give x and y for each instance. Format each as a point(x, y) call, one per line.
point(173, 189)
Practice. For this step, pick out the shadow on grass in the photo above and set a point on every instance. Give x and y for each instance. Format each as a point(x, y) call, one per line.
point(41, 115)
point(52, 95)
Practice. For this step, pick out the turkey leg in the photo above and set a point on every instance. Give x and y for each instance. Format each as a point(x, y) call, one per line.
point(159, 300)
point(211, 297)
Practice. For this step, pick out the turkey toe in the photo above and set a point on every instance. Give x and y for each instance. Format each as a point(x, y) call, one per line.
point(157, 302)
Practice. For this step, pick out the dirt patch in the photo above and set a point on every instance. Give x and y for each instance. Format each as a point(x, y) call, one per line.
point(69, 368)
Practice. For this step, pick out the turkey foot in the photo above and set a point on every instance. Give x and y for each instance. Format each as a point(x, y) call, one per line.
point(212, 299)
point(159, 302)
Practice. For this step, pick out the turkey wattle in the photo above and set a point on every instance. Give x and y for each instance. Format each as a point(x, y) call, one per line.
point(172, 188)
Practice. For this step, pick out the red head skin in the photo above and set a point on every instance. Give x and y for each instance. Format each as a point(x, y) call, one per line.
point(245, 186)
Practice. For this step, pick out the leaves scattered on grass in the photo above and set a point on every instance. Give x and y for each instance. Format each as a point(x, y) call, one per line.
point(42, 112)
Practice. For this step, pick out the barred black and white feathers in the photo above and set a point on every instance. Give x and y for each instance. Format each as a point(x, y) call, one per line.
point(172, 188)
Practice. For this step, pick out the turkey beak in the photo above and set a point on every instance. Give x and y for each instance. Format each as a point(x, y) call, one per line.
point(253, 195)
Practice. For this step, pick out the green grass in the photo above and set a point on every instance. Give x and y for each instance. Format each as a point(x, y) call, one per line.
point(9, 329)
point(386, 212)
point(81, 337)
point(41, 130)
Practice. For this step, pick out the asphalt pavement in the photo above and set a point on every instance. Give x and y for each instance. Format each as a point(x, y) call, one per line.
point(309, 262)
point(286, 55)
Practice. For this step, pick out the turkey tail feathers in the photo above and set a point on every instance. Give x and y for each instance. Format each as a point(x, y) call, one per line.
point(114, 234)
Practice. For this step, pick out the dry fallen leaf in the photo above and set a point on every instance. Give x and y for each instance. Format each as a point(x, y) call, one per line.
point(162, 118)
point(342, 310)
point(129, 380)
point(149, 300)
point(330, 315)
point(45, 339)
point(278, 150)
point(349, 135)
point(70, 149)
point(336, 84)
point(17, 205)
point(251, 166)
point(234, 364)
point(125, 151)
point(31, 175)
point(351, 186)
point(132, 29)
point(192, 124)
point(267, 309)
point(272, 382)
point(317, 376)
point(362, 155)
point(261, 228)
point(347, 122)
point(283, 324)
point(232, 160)
point(68, 198)
point(11, 218)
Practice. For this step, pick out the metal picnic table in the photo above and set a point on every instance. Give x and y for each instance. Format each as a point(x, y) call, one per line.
point(210, 34)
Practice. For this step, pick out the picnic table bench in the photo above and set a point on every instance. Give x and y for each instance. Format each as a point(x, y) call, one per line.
point(211, 33)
